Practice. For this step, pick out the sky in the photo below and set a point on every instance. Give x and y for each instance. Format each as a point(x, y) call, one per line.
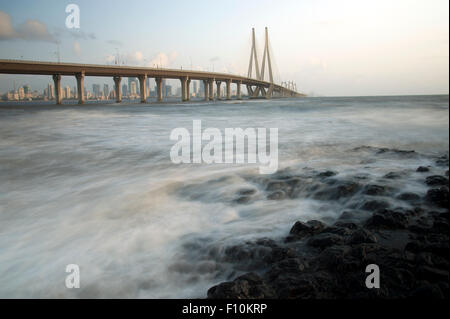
point(327, 47)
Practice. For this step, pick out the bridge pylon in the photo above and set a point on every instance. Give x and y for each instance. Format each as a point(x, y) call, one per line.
point(255, 92)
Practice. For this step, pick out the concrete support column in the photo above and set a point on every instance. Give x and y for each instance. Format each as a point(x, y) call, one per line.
point(117, 80)
point(228, 89)
point(57, 80)
point(218, 83)
point(80, 87)
point(159, 88)
point(211, 89)
point(188, 90)
point(206, 86)
point(142, 80)
point(183, 88)
point(239, 94)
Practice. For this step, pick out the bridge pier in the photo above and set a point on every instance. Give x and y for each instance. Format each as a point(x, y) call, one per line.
point(183, 88)
point(117, 80)
point(142, 79)
point(218, 83)
point(57, 80)
point(239, 94)
point(211, 89)
point(228, 89)
point(206, 89)
point(80, 87)
point(188, 90)
point(159, 89)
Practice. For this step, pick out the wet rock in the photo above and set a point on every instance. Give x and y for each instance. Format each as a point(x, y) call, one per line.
point(392, 175)
point(277, 195)
point(243, 200)
point(342, 231)
point(348, 225)
point(362, 236)
point(422, 169)
point(375, 190)
point(327, 174)
point(277, 185)
point(387, 219)
point(334, 255)
point(248, 286)
point(409, 197)
point(427, 291)
point(246, 191)
point(256, 255)
point(438, 196)
point(289, 265)
point(442, 161)
point(373, 205)
point(324, 240)
point(432, 274)
point(436, 180)
point(341, 190)
point(301, 229)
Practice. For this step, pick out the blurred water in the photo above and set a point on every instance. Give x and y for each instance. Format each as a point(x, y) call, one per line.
point(94, 185)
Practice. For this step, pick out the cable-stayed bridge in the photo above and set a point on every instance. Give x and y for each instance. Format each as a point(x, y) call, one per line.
point(257, 87)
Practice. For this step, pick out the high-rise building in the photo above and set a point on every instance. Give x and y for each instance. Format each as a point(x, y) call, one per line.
point(168, 90)
point(195, 88)
point(21, 93)
point(50, 91)
point(131, 80)
point(133, 89)
point(96, 90)
point(67, 94)
point(106, 90)
point(124, 90)
point(202, 88)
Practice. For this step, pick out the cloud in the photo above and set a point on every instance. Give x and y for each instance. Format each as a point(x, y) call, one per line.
point(162, 59)
point(214, 59)
point(76, 48)
point(31, 30)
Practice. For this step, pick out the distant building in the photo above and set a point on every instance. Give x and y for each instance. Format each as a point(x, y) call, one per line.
point(133, 89)
point(106, 90)
point(96, 90)
point(124, 90)
point(67, 94)
point(50, 92)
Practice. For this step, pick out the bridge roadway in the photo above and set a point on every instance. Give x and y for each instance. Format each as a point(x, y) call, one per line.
point(56, 70)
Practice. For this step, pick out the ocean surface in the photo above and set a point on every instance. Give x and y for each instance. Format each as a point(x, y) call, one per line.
point(94, 185)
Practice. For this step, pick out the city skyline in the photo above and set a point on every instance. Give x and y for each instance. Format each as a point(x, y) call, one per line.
point(350, 48)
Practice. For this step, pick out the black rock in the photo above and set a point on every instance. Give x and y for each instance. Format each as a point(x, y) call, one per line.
point(327, 174)
point(387, 219)
point(374, 190)
point(277, 185)
point(247, 191)
point(422, 169)
point(301, 229)
point(427, 291)
point(438, 196)
point(392, 175)
point(248, 286)
point(243, 200)
point(409, 197)
point(362, 236)
point(436, 180)
point(277, 195)
point(340, 190)
point(373, 205)
point(325, 240)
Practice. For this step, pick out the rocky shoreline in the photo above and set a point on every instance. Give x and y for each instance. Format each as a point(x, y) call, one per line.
point(317, 260)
